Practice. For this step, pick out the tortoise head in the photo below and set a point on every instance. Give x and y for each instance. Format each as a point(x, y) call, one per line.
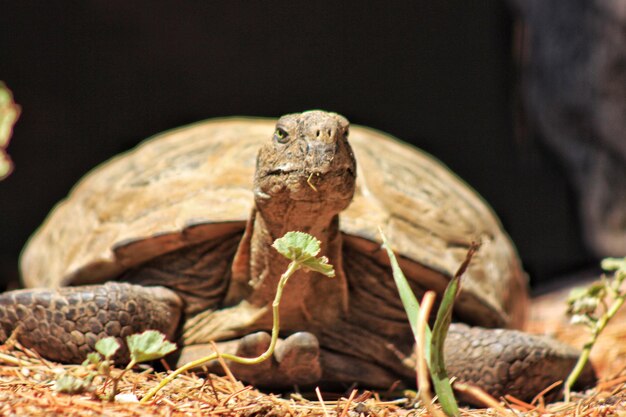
point(308, 160)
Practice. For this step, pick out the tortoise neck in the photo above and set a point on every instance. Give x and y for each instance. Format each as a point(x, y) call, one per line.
point(302, 294)
point(315, 218)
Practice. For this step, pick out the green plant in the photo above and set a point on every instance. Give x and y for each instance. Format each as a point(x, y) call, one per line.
point(593, 307)
point(147, 346)
point(302, 250)
point(432, 348)
point(9, 112)
point(143, 347)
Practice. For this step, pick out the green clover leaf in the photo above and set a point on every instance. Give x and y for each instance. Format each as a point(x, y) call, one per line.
point(70, 384)
point(107, 347)
point(297, 246)
point(148, 346)
point(303, 248)
point(320, 265)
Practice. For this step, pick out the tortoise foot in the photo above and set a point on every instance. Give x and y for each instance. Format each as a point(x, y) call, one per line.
point(65, 324)
point(296, 360)
point(252, 346)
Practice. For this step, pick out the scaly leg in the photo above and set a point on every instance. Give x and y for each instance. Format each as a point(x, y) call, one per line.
point(64, 324)
point(502, 361)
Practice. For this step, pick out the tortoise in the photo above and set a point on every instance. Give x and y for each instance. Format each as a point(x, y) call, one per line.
point(175, 235)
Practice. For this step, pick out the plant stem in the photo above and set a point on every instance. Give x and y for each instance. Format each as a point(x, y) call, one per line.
point(293, 267)
point(423, 376)
point(113, 393)
point(130, 365)
point(584, 356)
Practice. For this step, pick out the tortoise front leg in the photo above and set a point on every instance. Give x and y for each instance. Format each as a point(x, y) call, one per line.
point(503, 361)
point(64, 324)
point(297, 360)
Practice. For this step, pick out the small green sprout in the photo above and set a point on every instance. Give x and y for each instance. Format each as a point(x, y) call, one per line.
point(302, 249)
point(97, 363)
point(143, 347)
point(93, 358)
point(107, 347)
point(593, 307)
point(148, 346)
point(70, 384)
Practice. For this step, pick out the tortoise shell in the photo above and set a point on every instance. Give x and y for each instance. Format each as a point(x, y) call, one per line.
point(194, 183)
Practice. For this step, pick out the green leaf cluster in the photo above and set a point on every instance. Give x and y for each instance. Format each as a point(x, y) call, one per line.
point(618, 265)
point(70, 384)
point(9, 112)
point(107, 347)
point(148, 346)
point(583, 303)
point(143, 347)
point(593, 307)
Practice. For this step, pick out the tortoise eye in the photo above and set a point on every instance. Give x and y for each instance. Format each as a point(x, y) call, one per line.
point(280, 135)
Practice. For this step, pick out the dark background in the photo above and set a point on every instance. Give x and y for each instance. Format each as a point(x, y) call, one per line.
point(96, 77)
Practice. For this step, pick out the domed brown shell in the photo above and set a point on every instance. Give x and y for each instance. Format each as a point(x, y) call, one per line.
point(195, 183)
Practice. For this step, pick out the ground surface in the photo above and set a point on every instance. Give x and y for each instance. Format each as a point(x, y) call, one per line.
point(25, 387)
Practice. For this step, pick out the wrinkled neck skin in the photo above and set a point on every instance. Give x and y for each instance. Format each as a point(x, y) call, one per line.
point(305, 291)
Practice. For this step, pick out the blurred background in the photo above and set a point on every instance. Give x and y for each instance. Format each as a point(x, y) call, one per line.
point(96, 77)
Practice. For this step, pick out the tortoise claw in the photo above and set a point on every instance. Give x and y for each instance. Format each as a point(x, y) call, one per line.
point(295, 361)
point(251, 346)
point(298, 358)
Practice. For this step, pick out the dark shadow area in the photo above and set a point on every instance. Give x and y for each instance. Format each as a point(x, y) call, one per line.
point(96, 77)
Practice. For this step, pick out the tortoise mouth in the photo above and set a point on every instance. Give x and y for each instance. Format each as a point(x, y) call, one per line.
point(304, 185)
point(307, 174)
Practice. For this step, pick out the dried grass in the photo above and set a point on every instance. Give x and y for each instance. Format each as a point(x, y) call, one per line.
point(26, 390)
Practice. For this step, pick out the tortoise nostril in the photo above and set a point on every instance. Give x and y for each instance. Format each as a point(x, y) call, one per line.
point(317, 134)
